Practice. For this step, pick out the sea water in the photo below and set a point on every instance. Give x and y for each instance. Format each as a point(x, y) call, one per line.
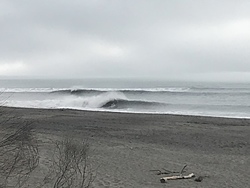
point(130, 95)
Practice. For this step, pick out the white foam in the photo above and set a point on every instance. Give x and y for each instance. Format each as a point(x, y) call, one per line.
point(99, 100)
point(170, 89)
point(26, 90)
point(67, 101)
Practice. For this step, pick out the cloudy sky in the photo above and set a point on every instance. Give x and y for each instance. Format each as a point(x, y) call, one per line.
point(171, 39)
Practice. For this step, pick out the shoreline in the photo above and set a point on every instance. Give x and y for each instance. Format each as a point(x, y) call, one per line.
point(127, 112)
point(126, 146)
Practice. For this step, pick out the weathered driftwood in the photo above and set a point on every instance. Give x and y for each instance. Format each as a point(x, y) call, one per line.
point(182, 170)
point(160, 172)
point(164, 179)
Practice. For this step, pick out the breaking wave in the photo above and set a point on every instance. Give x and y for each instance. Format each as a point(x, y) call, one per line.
point(121, 103)
point(106, 100)
point(214, 101)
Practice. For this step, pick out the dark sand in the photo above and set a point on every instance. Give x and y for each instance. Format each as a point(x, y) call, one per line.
point(127, 146)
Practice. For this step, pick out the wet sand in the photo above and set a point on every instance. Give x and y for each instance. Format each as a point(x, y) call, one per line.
point(125, 147)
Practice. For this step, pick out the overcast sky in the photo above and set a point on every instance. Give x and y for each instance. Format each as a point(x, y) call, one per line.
point(187, 39)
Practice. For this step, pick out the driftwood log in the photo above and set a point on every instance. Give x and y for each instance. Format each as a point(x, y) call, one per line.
point(164, 179)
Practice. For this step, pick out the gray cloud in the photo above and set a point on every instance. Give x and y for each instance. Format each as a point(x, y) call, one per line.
point(99, 38)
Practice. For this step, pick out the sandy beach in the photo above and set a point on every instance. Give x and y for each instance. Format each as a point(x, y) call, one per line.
point(124, 148)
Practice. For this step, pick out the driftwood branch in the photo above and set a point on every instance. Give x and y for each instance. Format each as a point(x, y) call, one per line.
point(165, 171)
point(182, 170)
point(176, 177)
point(164, 179)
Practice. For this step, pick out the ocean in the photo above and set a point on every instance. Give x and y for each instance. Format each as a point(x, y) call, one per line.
point(130, 95)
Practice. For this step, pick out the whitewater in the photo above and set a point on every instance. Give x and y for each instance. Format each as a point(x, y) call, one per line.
point(206, 99)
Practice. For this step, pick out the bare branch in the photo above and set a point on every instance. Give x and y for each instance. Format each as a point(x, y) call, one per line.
point(71, 166)
point(18, 156)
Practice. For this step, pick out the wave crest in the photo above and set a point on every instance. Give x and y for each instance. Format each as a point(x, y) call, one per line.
point(98, 101)
point(122, 104)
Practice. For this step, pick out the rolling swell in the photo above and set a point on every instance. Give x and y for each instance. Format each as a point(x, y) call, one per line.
point(78, 91)
point(122, 104)
point(125, 91)
point(161, 91)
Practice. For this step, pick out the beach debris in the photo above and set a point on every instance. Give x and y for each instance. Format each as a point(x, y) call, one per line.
point(165, 171)
point(182, 170)
point(164, 179)
point(176, 177)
